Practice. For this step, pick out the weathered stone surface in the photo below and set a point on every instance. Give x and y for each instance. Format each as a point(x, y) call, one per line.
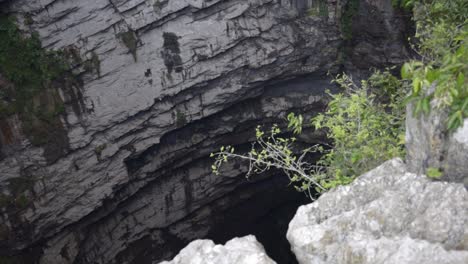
point(162, 67)
point(387, 215)
point(164, 83)
point(430, 145)
point(244, 250)
point(375, 36)
point(456, 161)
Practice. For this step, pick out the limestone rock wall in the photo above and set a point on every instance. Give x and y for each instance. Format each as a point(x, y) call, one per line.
point(162, 83)
point(174, 80)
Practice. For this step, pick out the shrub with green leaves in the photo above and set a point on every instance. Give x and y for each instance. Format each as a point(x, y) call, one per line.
point(350, 10)
point(33, 75)
point(439, 77)
point(271, 150)
point(364, 123)
point(27, 65)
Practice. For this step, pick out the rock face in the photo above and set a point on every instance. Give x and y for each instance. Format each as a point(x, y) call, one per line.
point(387, 215)
point(162, 85)
point(429, 145)
point(375, 35)
point(245, 250)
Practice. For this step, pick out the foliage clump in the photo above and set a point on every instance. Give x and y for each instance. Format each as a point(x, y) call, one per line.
point(35, 75)
point(27, 65)
point(350, 10)
point(171, 52)
point(364, 123)
point(439, 77)
point(20, 189)
point(271, 150)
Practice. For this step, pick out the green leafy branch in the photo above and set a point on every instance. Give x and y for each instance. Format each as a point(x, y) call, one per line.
point(273, 151)
point(364, 122)
point(438, 78)
point(366, 127)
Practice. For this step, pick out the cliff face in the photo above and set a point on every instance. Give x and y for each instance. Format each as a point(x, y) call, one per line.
point(160, 85)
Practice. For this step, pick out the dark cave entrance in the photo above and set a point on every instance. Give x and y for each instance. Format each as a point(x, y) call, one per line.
point(262, 206)
point(265, 215)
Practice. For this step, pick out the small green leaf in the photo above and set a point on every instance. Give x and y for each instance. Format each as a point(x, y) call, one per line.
point(453, 122)
point(355, 157)
point(405, 71)
point(416, 85)
point(460, 80)
point(426, 105)
point(431, 75)
point(433, 173)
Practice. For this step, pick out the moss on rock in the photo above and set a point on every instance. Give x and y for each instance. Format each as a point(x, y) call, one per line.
point(350, 11)
point(130, 41)
point(36, 76)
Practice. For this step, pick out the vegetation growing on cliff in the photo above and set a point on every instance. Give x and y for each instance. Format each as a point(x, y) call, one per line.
point(30, 68)
point(365, 122)
point(350, 10)
point(20, 190)
point(130, 41)
point(439, 77)
point(32, 77)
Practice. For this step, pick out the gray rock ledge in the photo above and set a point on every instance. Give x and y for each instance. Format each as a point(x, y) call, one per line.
point(387, 215)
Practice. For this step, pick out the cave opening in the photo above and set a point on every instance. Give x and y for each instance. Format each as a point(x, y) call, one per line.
point(266, 215)
point(229, 205)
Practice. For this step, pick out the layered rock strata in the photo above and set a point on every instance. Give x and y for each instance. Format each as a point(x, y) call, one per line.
point(160, 85)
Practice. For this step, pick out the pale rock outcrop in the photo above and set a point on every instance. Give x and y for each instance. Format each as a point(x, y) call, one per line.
point(430, 145)
point(387, 215)
point(244, 250)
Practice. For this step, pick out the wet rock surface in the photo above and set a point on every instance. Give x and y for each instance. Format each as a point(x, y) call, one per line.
point(387, 215)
